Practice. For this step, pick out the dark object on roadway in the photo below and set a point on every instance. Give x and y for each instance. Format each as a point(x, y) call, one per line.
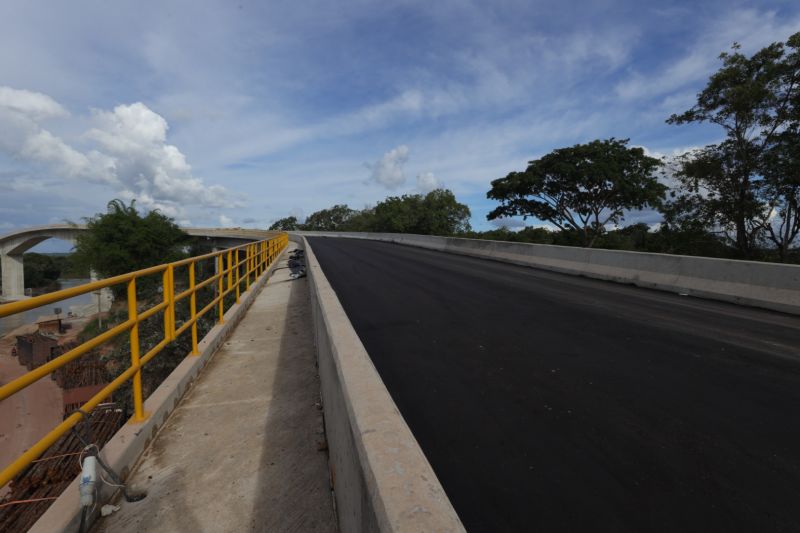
point(547, 402)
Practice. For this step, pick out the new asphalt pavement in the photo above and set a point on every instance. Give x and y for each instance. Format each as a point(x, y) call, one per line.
point(548, 402)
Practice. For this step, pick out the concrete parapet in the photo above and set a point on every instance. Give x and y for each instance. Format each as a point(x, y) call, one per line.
point(382, 480)
point(768, 285)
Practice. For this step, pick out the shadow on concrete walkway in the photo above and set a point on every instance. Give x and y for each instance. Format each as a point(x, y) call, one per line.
point(244, 451)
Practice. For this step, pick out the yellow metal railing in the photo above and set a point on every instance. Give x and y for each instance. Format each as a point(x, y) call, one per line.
point(245, 264)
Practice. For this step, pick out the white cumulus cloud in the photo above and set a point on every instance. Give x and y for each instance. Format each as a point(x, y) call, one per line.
point(427, 182)
point(35, 105)
point(155, 172)
point(130, 152)
point(388, 171)
point(225, 221)
point(23, 138)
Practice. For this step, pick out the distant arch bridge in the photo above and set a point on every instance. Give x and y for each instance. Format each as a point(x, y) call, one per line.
point(13, 245)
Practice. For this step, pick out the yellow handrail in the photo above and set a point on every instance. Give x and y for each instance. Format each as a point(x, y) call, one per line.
point(258, 257)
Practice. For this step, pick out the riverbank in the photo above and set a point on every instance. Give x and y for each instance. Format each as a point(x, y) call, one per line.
point(80, 306)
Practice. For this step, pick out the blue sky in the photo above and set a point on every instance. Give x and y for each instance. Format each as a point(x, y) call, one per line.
point(239, 113)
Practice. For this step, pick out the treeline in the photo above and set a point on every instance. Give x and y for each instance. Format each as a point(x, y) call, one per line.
point(740, 196)
point(435, 213)
point(638, 237)
point(42, 270)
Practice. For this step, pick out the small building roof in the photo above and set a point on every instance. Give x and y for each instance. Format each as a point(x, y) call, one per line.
point(47, 318)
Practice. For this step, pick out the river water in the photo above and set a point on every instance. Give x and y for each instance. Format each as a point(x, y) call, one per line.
point(29, 317)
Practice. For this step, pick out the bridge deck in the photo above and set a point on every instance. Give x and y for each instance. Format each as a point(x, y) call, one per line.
point(547, 402)
point(242, 450)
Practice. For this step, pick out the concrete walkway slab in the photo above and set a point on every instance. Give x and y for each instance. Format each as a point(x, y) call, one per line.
point(242, 450)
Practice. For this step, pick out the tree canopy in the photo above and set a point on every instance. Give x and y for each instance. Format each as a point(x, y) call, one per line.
point(781, 188)
point(40, 270)
point(742, 184)
point(581, 188)
point(285, 224)
point(122, 240)
point(331, 219)
point(435, 213)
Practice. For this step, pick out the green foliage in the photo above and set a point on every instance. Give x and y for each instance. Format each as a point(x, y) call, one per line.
point(442, 214)
point(332, 219)
point(714, 192)
point(285, 224)
point(581, 188)
point(122, 240)
point(436, 213)
point(69, 268)
point(739, 186)
point(363, 220)
point(781, 188)
point(40, 270)
point(528, 235)
point(686, 240)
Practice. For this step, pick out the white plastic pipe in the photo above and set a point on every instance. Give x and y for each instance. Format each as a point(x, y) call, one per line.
point(88, 481)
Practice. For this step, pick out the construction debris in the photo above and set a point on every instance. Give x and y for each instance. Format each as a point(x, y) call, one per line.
point(38, 486)
point(297, 264)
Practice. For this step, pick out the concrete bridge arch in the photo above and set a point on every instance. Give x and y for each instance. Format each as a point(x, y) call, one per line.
point(13, 245)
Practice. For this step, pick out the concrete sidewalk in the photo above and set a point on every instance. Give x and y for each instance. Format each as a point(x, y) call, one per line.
point(242, 450)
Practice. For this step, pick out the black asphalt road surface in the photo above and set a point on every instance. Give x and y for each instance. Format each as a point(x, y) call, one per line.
point(548, 402)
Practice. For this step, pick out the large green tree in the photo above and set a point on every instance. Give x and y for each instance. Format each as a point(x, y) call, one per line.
point(581, 188)
point(331, 219)
point(285, 224)
point(781, 158)
point(722, 185)
point(122, 240)
point(436, 213)
point(781, 188)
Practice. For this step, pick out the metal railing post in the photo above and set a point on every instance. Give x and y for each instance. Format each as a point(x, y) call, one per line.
point(165, 290)
point(171, 270)
point(230, 271)
point(133, 315)
point(220, 295)
point(236, 260)
point(193, 308)
point(247, 267)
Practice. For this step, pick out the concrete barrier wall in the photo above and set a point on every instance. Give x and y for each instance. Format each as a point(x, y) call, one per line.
point(769, 285)
point(382, 480)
